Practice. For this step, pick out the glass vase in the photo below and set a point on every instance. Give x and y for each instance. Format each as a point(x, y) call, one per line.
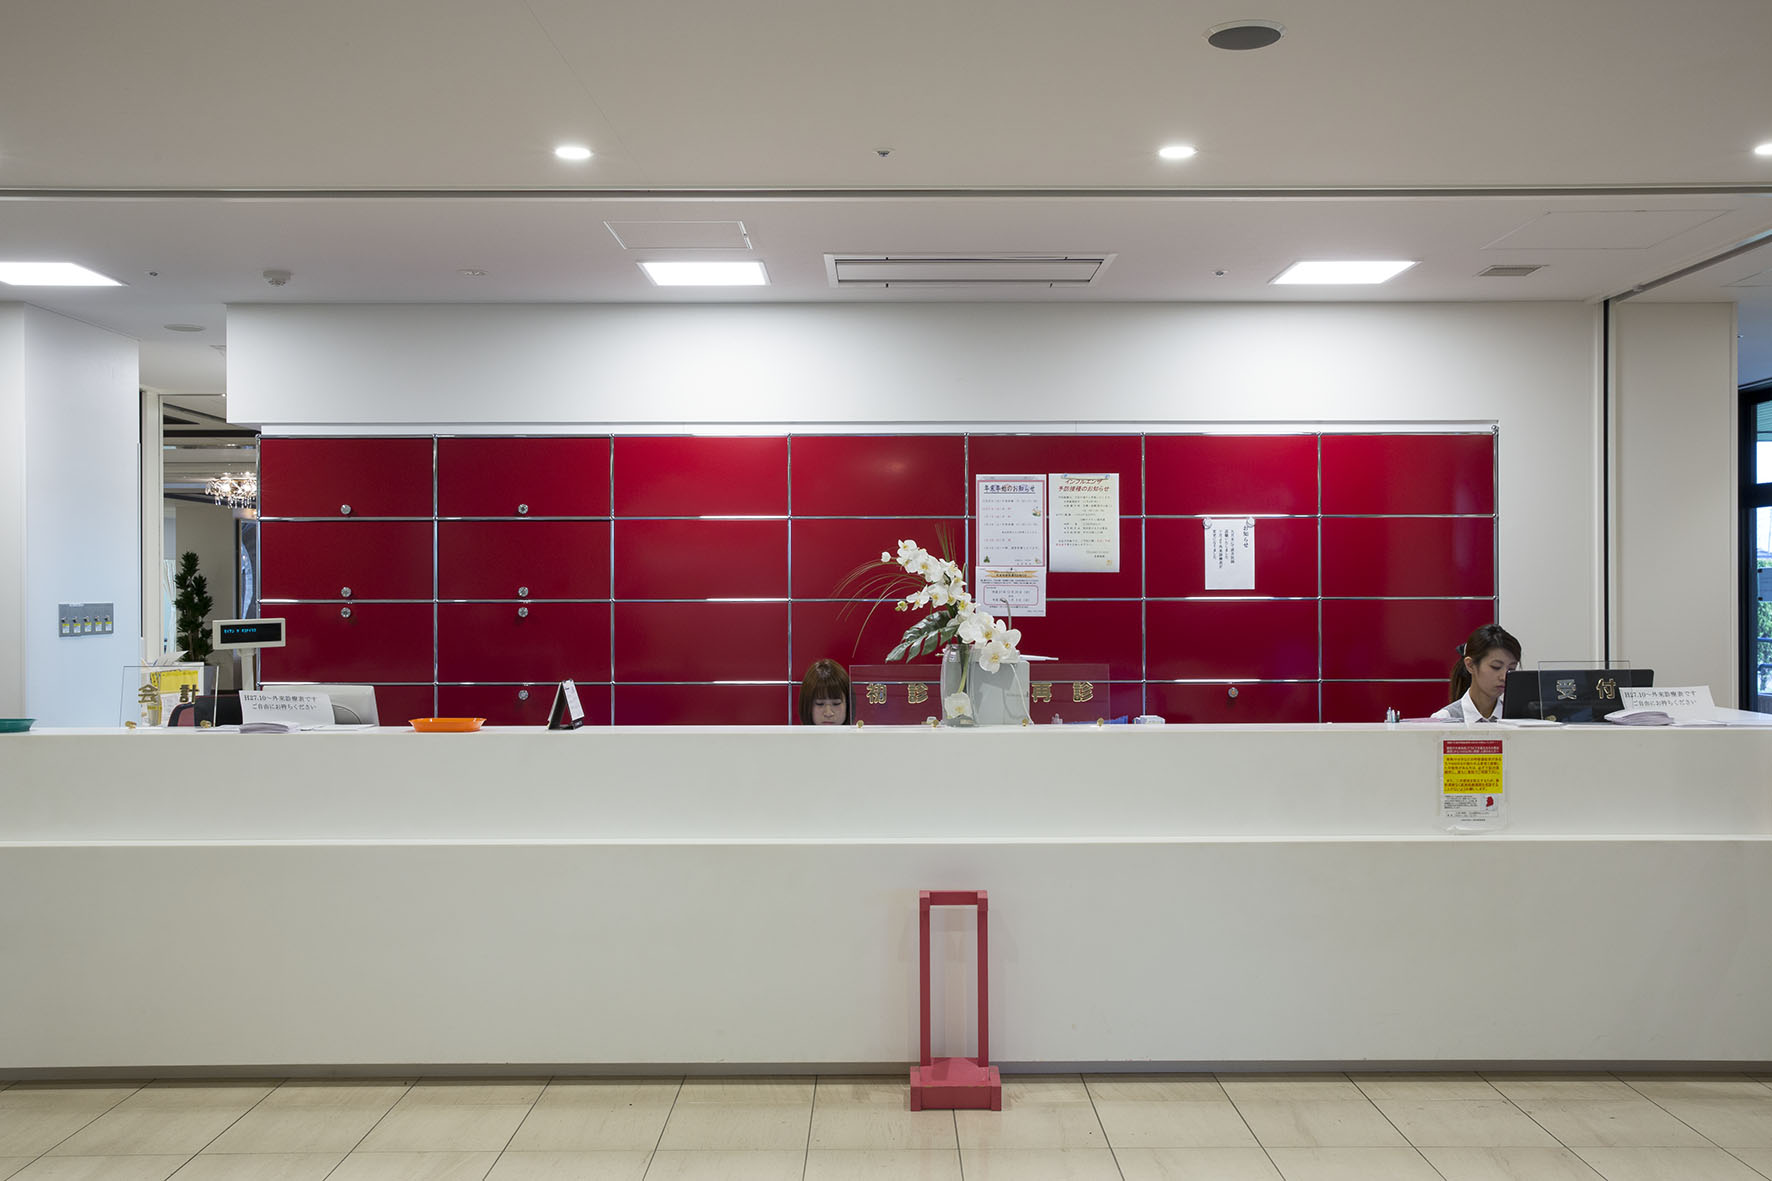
point(956, 698)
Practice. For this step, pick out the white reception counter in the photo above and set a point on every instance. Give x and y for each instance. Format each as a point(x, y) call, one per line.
point(747, 897)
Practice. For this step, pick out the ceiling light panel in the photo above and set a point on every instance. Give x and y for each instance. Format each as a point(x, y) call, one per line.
point(52, 274)
point(680, 235)
point(1342, 271)
point(684, 273)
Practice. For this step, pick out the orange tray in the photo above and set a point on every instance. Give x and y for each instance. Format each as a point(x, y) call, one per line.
point(446, 725)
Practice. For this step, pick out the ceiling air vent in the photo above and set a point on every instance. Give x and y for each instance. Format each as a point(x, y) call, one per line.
point(964, 270)
point(1512, 271)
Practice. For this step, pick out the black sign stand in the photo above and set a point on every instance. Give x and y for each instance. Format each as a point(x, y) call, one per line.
point(566, 713)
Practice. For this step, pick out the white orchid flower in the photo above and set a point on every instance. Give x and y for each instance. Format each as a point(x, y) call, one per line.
point(995, 653)
point(1011, 638)
point(963, 600)
point(953, 573)
point(972, 627)
point(884, 556)
point(938, 594)
point(908, 550)
point(926, 565)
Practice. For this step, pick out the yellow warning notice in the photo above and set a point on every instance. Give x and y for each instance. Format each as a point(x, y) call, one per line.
point(1471, 781)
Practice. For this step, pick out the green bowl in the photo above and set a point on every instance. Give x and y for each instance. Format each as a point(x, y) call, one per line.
point(15, 725)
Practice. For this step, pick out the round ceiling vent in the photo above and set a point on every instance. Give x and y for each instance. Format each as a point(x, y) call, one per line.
point(1245, 34)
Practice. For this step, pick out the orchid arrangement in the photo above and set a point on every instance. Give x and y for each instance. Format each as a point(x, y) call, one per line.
point(955, 616)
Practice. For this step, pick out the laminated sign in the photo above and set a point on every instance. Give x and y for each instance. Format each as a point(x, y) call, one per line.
point(1471, 783)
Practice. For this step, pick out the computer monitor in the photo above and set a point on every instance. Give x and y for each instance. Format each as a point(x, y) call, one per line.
point(352, 705)
point(1570, 694)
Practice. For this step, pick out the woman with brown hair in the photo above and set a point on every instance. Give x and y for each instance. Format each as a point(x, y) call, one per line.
point(824, 696)
point(1484, 660)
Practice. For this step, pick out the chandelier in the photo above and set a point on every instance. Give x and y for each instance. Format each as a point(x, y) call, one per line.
point(228, 488)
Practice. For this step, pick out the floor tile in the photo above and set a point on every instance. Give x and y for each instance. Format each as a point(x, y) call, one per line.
point(1318, 1123)
point(747, 1126)
point(1352, 1164)
point(1195, 1164)
point(1731, 1123)
point(883, 1165)
point(1465, 1123)
point(1289, 1087)
point(148, 1132)
point(675, 1164)
point(773, 1092)
point(27, 1133)
point(414, 1166)
point(1173, 1125)
point(295, 1166)
point(570, 1166)
point(298, 1129)
point(1425, 1086)
point(1754, 1158)
point(879, 1126)
point(464, 1092)
point(12, 1164)
point(1667, 1164)
point(1044, 1088)
point(1698, 1086)
point(198, 1096)
point(1602, 1123)
point(1038, 1164)
point(329, 1094)
point(1557, 1087)
point(1030, 1125)
point(1509, 1164)
point(92, 1097)
point(611, 1092)
point(585, 1126)
point(885, 1090)
point(1154, 1088)
point(475, 1127)
point(102, 1168)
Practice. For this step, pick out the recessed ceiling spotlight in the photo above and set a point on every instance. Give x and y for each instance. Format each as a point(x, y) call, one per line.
point(1177, 151)
point(182, 327)
point(748, 273)
point(52, 274)
point(1764, 149)
point(1322, 270)
point(1248, 34)
point(573, 152)
point(471, 273)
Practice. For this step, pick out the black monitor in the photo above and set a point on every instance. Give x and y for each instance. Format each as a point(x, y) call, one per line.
point(1570, 694)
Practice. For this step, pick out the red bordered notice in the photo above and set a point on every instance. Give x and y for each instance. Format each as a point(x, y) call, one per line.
point(1472, 783)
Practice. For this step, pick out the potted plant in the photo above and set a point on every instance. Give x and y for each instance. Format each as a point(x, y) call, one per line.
point(193, 605)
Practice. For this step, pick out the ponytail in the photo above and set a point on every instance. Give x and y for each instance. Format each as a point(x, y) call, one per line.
point(1461, 677)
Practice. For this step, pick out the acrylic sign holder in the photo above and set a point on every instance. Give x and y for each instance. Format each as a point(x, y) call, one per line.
point(956, 1083)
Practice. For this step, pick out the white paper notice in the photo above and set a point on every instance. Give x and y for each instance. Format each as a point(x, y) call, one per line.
point(1015, 591)
point(1011, 520)
point(1230, 553)
point(1085, 523)
point(303, 709)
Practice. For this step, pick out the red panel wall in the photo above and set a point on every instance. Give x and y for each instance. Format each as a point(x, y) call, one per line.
point(1358, 602)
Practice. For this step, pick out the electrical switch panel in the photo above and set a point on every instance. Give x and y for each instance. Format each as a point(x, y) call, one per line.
point(87, 619)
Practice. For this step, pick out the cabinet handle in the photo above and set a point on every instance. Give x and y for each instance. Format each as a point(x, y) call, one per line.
point(1231, 692)
point(522, 695)
point(522, 510)
point(344, 612)
point(344, 510)
point(522, 613)
point(344, 592)
point(522, 592)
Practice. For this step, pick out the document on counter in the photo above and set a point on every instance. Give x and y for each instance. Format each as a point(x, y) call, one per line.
point(1681, 705)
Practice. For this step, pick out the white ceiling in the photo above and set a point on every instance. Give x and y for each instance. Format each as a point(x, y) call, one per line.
point(376, 148)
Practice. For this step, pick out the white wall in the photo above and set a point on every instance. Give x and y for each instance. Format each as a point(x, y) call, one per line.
point(1676, 501)
point(208, 531)
point(1529, 368)
point(81, 514)
point(12, 510)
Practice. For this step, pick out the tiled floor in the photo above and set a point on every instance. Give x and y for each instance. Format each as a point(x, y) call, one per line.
point(1329, 1127)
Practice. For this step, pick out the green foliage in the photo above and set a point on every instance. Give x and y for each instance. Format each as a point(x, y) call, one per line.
point(193, 604)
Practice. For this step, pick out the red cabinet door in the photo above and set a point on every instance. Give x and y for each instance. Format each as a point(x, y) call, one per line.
point(345, 559)
point(701, 642)
point(356, 643)
point(666, 559)
point(397, 705)
point(879, 476)
point(523, 477)
point(1248, 703)
point(523, 641)
point(1409, 473)
point(1230, 475)
point(523, 559)
point(344, 477)
point(700, 477)
point(518, 705)
point(702, 705)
